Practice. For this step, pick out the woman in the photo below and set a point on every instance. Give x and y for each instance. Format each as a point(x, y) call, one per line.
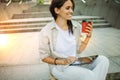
point(60, 43)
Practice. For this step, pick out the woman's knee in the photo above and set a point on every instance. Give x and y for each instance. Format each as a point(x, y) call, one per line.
point(103, 59)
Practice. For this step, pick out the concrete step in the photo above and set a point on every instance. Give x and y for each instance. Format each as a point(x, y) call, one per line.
point(44, 14)
point(101, 25)
point(26, 20)
point(113, 76)
point(22, 25)
point(25, 72)
point(17, 26)
point(20, 30)
point(88, 18)
point(34, 28)
point(32, 10)
point(46, 19)
point(37, 8)
point(36, 24)
point(97, 21)
point(31, 15)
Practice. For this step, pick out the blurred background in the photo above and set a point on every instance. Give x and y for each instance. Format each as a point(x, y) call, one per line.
point(22, 20)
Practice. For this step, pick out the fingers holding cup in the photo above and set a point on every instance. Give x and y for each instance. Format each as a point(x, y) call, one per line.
point(89, 28)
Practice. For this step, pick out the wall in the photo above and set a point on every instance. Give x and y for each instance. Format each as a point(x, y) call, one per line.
point(109, 10)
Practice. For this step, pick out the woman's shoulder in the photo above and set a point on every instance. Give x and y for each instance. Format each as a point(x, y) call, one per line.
point(49, 25)
point(46, 30)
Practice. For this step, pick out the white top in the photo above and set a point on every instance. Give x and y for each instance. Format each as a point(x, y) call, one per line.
point(66, 43)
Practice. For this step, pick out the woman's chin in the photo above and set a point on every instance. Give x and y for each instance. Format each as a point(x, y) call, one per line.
point(69, 18)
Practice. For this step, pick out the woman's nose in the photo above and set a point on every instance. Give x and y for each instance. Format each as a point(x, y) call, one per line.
point(71, 10)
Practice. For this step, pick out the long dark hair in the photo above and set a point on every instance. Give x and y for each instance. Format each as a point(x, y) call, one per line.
point(58, 4)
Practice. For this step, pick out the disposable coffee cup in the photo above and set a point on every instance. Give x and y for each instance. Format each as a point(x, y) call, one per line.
point(84, 25)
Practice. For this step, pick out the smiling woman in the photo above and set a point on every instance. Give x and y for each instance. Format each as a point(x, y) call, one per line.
point(60, 44)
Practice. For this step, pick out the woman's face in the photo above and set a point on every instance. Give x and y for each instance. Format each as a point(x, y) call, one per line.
point(65, 11)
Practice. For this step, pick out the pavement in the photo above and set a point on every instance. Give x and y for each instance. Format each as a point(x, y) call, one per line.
point(20, 58)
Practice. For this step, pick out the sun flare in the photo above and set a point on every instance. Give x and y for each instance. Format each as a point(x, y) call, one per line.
point(3, 40)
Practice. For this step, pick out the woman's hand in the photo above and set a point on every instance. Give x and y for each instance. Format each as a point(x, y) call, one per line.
point(70, 60)
point(89, 29)
point(86, 40)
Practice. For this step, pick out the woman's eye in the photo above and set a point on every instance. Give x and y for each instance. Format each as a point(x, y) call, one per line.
point(67, 8)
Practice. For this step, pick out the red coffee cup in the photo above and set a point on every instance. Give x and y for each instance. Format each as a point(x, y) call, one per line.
point(84, 25)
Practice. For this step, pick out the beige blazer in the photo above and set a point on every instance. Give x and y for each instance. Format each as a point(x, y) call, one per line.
point(48, 36)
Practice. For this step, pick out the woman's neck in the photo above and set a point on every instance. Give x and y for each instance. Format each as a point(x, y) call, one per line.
point(62, 23)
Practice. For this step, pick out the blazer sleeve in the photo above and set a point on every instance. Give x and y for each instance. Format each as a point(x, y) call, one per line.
point(44, 44)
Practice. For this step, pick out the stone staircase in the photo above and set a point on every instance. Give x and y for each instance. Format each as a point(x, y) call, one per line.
point(36, 24)
point(37, 11)
point(37, 17)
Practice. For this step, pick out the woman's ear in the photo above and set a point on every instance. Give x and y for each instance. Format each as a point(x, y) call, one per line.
point(56, 10)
